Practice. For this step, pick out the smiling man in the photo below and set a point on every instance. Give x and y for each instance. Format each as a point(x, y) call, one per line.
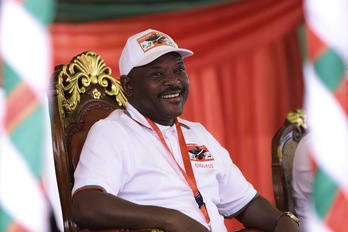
point(147, 168)
point(161, 88)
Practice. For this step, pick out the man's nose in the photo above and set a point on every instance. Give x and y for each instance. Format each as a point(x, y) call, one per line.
point(172, 79)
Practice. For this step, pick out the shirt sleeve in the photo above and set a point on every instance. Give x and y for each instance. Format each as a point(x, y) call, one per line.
point(100, 163)
point(235, 191)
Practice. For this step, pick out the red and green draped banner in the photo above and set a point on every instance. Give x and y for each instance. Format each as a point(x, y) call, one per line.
point(25, 51)
point(327, 41)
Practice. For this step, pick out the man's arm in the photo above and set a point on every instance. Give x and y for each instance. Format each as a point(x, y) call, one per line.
point(262, 214)
point(97, 210)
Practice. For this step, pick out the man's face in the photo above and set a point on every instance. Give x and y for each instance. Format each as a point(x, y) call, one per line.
point(159, 89)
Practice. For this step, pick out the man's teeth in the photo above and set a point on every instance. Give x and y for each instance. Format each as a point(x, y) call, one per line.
point(171, 95)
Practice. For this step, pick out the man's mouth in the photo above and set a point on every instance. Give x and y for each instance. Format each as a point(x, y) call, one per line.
point(167, 96)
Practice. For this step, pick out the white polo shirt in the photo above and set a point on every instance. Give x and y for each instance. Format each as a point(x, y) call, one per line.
point(124, 156)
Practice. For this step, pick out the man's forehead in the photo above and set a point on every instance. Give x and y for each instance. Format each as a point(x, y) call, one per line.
point(168, 56)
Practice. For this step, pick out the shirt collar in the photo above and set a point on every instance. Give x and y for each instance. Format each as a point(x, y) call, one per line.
point(138, 117)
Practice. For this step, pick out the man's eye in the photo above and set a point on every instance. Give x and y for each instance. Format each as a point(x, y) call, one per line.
point(156, 74)
point(180, 70)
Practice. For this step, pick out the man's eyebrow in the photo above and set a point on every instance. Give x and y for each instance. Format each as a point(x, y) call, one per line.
point(155, 67)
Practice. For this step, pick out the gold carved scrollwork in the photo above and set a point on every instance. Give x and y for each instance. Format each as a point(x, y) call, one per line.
point(298, 117)
point(96, 94)
point(74, 79)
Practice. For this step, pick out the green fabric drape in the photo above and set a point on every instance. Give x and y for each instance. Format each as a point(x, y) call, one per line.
point(95, 10)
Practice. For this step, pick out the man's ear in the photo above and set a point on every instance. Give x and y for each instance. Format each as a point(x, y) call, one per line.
point(126, 84)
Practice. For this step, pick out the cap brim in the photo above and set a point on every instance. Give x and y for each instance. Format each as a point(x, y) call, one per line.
point(151, 57)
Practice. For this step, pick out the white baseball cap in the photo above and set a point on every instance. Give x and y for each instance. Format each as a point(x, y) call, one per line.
point(145, 47)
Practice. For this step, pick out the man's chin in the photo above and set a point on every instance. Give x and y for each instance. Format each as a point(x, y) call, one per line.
point(174, 113)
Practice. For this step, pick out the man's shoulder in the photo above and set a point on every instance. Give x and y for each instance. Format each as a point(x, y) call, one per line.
point(193, 127)
point(114, 119)
point(190, 124)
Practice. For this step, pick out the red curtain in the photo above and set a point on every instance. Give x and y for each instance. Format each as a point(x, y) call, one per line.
point(246, 74)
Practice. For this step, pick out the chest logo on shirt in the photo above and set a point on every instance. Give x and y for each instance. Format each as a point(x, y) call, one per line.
point(199, 153)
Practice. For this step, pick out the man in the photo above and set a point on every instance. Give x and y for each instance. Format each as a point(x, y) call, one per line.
point(302, 179)
point(146, 168)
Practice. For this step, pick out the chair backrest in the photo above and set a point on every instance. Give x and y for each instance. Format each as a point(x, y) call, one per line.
point(284, 144)
point(83, 92)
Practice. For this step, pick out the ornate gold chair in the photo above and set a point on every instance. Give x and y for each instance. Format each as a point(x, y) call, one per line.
point(284, 144)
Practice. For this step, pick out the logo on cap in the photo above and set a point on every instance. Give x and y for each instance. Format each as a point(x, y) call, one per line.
point(154, 39)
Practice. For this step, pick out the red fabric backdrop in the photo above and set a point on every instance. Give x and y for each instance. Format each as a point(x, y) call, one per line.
point(246, 74)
